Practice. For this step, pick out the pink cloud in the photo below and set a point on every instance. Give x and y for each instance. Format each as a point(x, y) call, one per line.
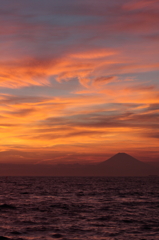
point(135, 5)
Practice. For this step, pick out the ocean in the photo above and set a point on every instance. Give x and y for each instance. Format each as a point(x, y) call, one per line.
point(68, 208)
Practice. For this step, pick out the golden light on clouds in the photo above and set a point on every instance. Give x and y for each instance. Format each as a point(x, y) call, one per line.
point(79, 83)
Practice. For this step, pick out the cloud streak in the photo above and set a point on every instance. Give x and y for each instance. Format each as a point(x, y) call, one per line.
point(78, 77)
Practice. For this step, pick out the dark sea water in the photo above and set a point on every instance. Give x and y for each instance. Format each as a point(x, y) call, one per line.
point(79, 208)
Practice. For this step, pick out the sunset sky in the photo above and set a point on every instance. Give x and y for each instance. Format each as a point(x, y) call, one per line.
point(79, 80)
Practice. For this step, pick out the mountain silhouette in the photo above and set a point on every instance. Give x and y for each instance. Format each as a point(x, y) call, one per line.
point(121, 158)
point(123, 164)
point(120, 164)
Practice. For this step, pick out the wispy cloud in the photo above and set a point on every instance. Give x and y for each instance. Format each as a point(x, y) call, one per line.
point(78, 77)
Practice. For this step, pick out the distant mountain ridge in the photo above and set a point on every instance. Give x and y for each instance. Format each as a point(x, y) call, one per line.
point(121, 164)
point(121, 158)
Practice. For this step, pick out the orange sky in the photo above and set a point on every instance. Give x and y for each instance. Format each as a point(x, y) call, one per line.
point(79, 81)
